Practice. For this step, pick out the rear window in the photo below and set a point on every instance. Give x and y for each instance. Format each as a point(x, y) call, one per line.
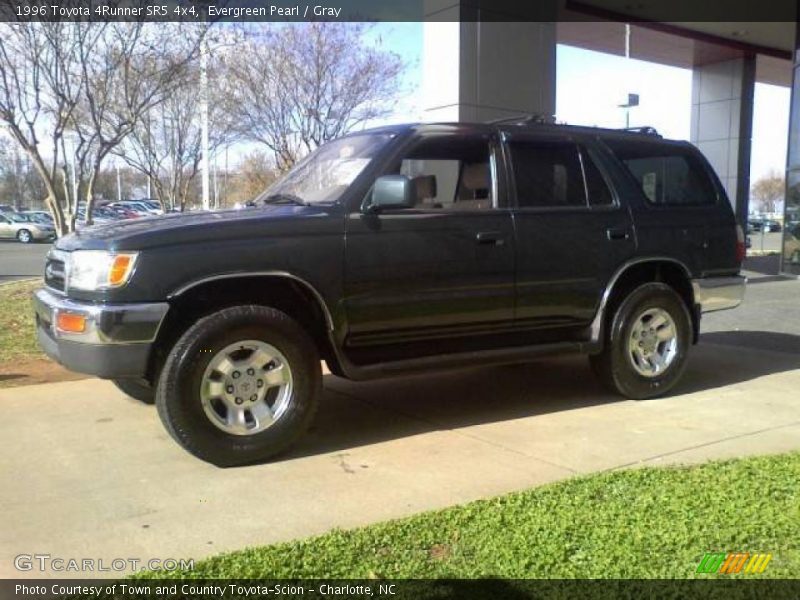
point(668, 175)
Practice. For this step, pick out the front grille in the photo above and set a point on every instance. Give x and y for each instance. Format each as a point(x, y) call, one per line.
point(55, 272)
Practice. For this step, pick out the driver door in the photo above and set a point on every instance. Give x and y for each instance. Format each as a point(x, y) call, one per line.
point(443, 268)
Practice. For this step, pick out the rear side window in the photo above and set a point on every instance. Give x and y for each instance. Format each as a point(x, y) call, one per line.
point(547, 174)
point(550, 173)
point(667, 175)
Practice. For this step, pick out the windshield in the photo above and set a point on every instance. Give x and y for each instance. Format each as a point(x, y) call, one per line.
point(326, 173)
point(40, 218)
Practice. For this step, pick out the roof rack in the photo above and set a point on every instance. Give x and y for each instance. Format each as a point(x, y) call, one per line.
point(524, 119)
point(646, 130)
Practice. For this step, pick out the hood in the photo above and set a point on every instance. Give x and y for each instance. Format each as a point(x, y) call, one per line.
point(187, 228)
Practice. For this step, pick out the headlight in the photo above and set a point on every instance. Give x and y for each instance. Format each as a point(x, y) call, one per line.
point(93, 270)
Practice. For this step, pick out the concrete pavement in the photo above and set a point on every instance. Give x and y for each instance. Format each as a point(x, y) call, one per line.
point(88, 473)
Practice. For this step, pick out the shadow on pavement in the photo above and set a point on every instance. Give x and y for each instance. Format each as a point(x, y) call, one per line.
point(756, 340)
point(764, 265)
point(357, 414)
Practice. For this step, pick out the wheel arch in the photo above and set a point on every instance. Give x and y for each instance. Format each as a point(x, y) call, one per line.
point(278, 289)
point(636, 272)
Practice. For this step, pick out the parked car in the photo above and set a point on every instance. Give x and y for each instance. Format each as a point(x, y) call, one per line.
point(399, 250)
point(122, 212)
point(140, 207)
point(765, 225)
point(100, 216)
point(7, 208)
point(39, 216)
point(24, 229)
point(154, 206)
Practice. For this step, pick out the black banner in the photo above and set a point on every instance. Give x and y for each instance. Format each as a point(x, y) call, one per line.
point(742, 11)
point(436, 589)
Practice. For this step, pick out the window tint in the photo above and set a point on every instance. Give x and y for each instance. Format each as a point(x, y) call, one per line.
point(547, 174)
point(668, 175)
point(597, 189)
point(450, 173)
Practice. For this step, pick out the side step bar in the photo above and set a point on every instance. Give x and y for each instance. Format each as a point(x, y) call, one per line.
point(498, 356)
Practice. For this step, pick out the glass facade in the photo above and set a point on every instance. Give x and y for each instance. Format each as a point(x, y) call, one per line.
point(790, 263)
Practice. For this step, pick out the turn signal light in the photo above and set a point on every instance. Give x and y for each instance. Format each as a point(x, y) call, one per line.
point(71, 323)
point(119, 269)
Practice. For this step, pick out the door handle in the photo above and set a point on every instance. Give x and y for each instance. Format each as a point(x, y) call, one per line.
point(618, 234)
point(492, 238)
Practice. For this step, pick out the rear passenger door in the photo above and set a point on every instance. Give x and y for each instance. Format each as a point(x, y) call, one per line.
point(571, 233)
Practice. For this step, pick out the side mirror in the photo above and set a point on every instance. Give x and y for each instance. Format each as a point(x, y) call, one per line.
point(391, 192)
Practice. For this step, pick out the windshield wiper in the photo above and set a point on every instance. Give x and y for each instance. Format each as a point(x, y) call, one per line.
point(285, 199)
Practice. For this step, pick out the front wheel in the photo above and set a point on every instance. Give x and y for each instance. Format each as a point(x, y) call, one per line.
point(646, 343)
point(24, 236)
point(240, 385)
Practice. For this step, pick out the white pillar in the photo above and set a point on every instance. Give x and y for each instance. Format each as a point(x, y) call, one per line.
point(482, 70)
point(204, 162)
point(722, 123)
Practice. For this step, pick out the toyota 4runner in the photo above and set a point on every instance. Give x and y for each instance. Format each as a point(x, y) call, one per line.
point(393, 251)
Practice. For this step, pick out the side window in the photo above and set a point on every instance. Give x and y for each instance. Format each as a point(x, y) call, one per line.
point(596, 187)
point(450, 173)
point(668, 175)
point(547, 174)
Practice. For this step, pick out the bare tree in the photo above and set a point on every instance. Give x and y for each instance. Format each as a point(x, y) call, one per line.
point(769, 190)
point(254, 174)
point(299, 86)
point(19, 184)
point(166, 144)
point(70, 92)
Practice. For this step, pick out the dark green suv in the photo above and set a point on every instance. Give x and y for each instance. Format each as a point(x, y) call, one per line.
point(397, 250)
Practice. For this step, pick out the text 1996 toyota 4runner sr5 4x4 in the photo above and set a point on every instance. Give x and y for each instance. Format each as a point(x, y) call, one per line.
point(392, 251)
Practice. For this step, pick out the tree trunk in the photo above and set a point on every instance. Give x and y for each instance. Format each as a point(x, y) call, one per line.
point(89, 193)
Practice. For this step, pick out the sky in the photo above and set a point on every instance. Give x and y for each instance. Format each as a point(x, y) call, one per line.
point(590, 85)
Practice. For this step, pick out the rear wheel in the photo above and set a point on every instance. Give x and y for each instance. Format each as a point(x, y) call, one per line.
point(138, 390)
point(646, 343)
point(240, 385)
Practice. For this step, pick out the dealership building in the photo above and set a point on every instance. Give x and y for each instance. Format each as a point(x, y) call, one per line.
point(488, 60)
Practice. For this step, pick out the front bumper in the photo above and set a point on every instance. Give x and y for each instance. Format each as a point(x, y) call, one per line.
point(719, 293)
point(116, 339)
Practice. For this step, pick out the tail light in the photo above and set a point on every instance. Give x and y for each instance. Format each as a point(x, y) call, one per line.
point(741, 250)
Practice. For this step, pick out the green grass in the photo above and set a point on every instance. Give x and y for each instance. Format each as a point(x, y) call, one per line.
point(640, 523)
point(17, 332)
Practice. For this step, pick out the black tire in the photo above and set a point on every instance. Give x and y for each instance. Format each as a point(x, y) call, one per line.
point(613, 365)
point(142, 392)
point(24, 236)
point(178, 393)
